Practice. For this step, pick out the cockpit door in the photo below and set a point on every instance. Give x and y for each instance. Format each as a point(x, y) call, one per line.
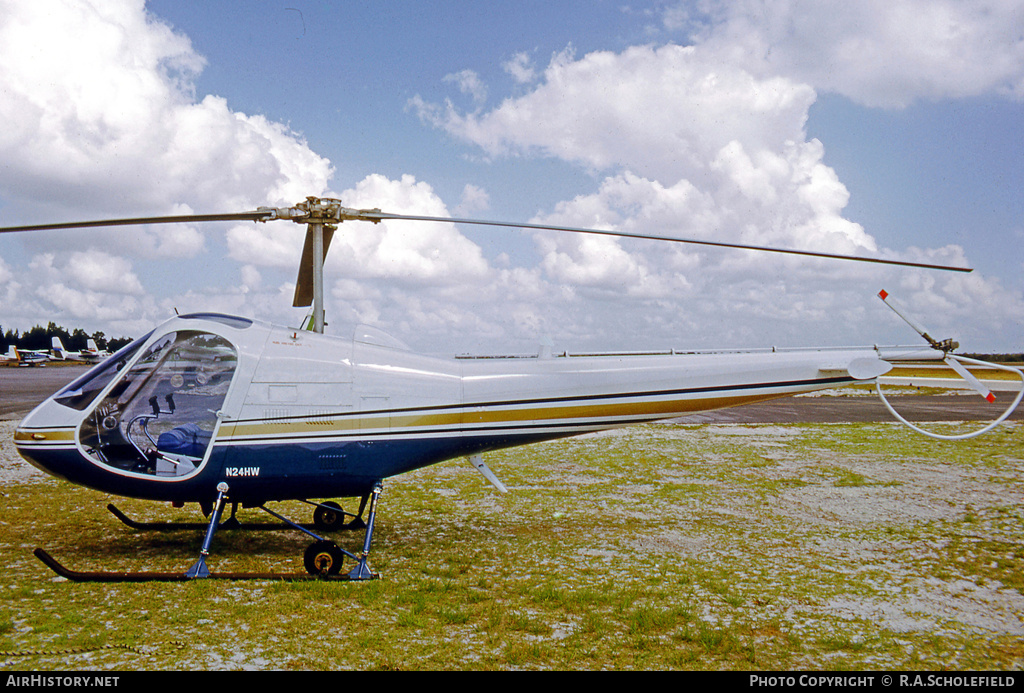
point(161, 415)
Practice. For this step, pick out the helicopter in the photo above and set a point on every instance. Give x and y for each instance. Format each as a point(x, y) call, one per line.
point(225, 410)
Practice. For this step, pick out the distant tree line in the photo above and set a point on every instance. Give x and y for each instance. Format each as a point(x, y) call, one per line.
point(997, 358)
point(40, 337)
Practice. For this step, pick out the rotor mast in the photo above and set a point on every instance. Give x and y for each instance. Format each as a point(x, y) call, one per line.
point(321, 216)
point(317, 230)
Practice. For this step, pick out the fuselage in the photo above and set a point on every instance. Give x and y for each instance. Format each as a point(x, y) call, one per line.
point(280, 413)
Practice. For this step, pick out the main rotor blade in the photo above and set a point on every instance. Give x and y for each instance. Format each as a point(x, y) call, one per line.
point(296, 214)
point(382, 216)
point(259, 215)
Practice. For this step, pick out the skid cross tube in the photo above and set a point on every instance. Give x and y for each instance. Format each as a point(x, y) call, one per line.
point(296, 525)
point(231, 523)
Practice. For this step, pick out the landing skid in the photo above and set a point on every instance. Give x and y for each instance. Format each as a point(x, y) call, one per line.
point(156, 576)
point(323, 559)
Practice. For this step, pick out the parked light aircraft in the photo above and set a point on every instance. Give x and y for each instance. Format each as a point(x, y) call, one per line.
point(216, 409)
point(90, 353)
point(11, 356)
point(26, 357)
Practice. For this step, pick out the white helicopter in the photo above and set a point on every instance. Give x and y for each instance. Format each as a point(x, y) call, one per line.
point(217, 409)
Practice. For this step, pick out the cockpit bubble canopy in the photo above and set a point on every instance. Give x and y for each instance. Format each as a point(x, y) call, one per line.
point(161, 413)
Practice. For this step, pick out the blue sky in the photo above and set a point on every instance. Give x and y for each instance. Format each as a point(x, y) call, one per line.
point(874, 128)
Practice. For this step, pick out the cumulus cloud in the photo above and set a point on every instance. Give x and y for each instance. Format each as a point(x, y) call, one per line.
point(405, 251)
point(99, 271)
point(720, 152)
point(662, 111)
point(877, 52)
point(100, 119)
point(520, 67)
point(469, 82)
point(98, 102)
point(474, 199)
point(697, 141)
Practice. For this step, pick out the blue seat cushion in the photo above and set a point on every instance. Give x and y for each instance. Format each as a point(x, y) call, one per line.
point(187, 439)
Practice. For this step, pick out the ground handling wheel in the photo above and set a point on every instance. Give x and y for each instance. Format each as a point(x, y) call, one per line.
point(328, 516)
point(323, 558)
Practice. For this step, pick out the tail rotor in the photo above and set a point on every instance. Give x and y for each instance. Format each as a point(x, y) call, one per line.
point(956, 363)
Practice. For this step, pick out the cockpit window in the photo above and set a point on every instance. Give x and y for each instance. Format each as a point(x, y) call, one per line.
point(80, 393)
point(161, 414)
point(229, 320)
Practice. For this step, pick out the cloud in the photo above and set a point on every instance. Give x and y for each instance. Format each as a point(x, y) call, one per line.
point(726, 150)
point(98, 102)
point(409, 253)
point(101, 119)
point(96, 270)
point(662, 111)
point(520, 67)
point(474, 199)
point(698, 142)
point(469, 82)
point(86, 287)
point(706, 140)
point(876, 52)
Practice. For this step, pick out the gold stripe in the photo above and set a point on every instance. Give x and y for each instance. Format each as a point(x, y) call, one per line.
point(587, 411)
point(468, 417)
point(52, 435)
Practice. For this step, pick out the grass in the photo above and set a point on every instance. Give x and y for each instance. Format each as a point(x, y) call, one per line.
point(661, 547)
point(982, 373)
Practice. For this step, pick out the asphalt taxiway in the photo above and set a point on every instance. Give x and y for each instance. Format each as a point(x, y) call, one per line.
point(23, 387)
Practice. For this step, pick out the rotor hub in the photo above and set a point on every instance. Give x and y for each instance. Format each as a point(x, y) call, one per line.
point(320, 210)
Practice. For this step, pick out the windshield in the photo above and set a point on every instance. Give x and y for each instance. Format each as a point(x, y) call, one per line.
point(161, 414)
point(82, 391)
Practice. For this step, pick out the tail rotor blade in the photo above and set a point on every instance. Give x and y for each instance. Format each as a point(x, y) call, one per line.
point(901, 311)
point(971, 380)
point(946, 345)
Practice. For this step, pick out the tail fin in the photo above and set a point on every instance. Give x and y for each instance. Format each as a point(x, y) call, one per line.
point(58, 349)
